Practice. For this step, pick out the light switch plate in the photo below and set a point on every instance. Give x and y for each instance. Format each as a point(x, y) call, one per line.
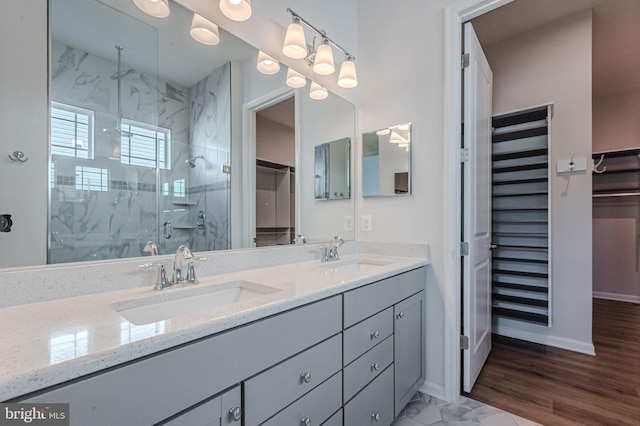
point(366, 222)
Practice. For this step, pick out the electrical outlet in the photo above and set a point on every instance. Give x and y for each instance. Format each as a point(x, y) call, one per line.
point(366, 222)
point(348, 223)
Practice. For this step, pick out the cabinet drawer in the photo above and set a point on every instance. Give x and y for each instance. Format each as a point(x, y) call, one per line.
point(277, 387)
point(366, 334)
point(374, 405)
point(318, 405)
point(367, 300)
point(335, 420)
point(367, 367)
point(194, 372)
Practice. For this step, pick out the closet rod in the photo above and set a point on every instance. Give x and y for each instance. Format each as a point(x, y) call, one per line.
point(617, 194)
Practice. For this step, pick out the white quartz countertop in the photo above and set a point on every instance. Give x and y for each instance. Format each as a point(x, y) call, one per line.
point(49, 343)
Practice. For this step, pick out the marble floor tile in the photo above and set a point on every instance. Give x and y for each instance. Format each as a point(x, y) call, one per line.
point(424, 410)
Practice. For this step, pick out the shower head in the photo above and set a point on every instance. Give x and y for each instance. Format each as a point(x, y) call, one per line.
point(192, 162)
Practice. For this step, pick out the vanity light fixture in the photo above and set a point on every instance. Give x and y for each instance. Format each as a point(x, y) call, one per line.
point(395, 137)
point(295, 79)
point(320, 58)
point(317, 92)
point(266, 64)
point(155, 8)
point(236, 10)
point(204, 31)
point(383, 132)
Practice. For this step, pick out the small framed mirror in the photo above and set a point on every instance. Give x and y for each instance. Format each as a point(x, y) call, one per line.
point(332, 165)
point(386, 161)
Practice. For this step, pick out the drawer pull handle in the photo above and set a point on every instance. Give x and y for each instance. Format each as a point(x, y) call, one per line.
point(400, 315)
point(375, 334)
point(375, 367)
point(235, 413)
point(306, 377)
point(305, 421)
point(375, 417)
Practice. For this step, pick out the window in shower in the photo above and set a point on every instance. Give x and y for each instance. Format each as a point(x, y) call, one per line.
point(71, 131)
point(92, 179)
point(145, 145)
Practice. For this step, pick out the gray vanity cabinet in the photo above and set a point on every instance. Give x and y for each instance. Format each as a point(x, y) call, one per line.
point(409, 349)
point(223, 410)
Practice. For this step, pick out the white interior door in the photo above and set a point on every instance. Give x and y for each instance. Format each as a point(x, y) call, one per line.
point(478, 80)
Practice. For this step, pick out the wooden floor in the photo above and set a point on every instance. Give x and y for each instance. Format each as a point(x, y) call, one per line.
point(556, 387)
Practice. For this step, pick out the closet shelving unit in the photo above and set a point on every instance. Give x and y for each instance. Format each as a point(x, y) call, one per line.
point(616, 173)
point(520, 216)
point(275, 204)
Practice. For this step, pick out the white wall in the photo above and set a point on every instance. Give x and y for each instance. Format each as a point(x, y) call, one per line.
point(615, 122)
point(24, 127)
point(275, 142)
point(553, 64)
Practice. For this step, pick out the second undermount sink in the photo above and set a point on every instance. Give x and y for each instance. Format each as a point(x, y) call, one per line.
point(356, 265)
point(171, 304)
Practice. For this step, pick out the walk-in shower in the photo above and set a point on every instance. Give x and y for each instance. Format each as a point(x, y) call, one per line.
point(192, 162)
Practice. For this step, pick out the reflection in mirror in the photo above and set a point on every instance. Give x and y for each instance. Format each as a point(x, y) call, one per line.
point(141, 134)
point(332, 165)
point(386, 161)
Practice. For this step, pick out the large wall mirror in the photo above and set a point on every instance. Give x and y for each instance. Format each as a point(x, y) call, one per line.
point(386, 161)
point(142, 136)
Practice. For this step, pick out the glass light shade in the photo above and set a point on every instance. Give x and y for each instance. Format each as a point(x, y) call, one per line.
point(347, 77)
point(317, 91)
point(323, 64)
point(295, 79)
point(236, 10)
point(295, 45)
point(383, 132)
point(266, 64)
point(155, 8)
point(204, 31)
point(395, 137)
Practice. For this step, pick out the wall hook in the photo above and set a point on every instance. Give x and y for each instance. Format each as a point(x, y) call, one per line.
point(595, 166)
point(18, 156)
point(572, 164)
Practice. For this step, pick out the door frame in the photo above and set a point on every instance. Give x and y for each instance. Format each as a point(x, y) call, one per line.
point(249, 111)
point(455, 16)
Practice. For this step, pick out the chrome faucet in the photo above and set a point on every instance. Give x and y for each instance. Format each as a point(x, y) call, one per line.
point(182, 253)
point(330, 252)
point(151, 247)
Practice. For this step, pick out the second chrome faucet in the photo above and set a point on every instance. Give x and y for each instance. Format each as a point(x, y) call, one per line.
point(330, 252)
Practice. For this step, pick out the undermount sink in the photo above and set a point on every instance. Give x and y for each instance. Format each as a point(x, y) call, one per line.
point(356, 265)
point(171, 304)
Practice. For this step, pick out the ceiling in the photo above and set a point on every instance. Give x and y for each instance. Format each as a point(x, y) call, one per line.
point(616, 35)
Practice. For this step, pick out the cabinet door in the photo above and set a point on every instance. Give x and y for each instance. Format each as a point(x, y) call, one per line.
point(222, 410)
point(409, 349)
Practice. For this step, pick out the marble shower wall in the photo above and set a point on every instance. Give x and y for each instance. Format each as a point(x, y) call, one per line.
point(117, 221)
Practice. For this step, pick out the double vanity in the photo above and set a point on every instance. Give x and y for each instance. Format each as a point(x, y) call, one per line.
point(304, 343)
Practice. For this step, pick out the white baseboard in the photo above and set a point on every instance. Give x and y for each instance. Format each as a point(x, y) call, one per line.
point(555, 341)
point(615, 296)
point(433, 389)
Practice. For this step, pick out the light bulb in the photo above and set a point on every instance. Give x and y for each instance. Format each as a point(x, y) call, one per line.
point(323, 63)
point(317, 91)
point(295, 79)
point(295, 45)
point(236, 10)
point(348, 77)
point(266, 64)
point(204, 31)
point(155, 8)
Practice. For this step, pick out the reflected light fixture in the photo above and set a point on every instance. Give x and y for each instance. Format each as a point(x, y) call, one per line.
point(155, 8)
point(323, 62)
point(204, 31)
point(383, 132)
point(295, 45)
point(236, 10)
point(266, 64)
point(395, 137)
point(320, 58)
point(317, 91)
point(347, 77)
point(295, 79)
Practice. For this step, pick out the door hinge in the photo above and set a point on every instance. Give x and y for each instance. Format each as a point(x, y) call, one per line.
point(465, 61)
point(464, 155)
point(464, 343)
point(464, 248)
